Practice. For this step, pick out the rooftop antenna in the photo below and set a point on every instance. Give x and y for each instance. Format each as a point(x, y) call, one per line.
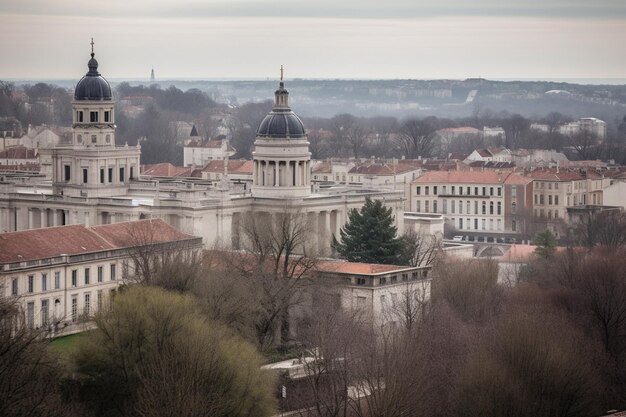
point(281, 72)
point(92, 54)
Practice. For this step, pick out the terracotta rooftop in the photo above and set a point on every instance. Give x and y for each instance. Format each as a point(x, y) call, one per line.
point(208, 144)
point(562, 175)
point(383, 169)
point(462, 177)
point(165, 169)
point(355, 268)
point(50, 242)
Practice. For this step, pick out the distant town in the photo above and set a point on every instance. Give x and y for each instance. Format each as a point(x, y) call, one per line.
point(312, 247)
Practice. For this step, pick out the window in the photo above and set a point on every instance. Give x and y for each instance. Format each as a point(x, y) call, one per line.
point(468, 190)
point(490, 190)
point(469, 225)
point(417, 206)
point(484, 207)
point(452, 190)
point(14, 286)
point(514, 191)
point(74, 277)
point(113, 272)
point(382, 281)
point(110, 174)
point(499, 207)
point(490, 224)
point(499, 224)
point(475, 190)
point(418, 190)
point(93, 116)
point(67, 173)
point(483, 222)
point(85, 175)
point(426, 206)
point(122, 174)
point(460, 206)
point(30, 315)
point(31, 283)
point(541, 199)
point(107, 116)
point(460, 190)
point(435, 190)
point(100, 274)
point(44, 282)
point(87, 306)
point(460, 224)
point(426, 190)
point(514, 225)
point(79, 116)
point(550, 200)
point(86, 276)
point(101, 175)
point(107, 138)
point(468, 207)
point(132, 173)
point(452, 206)
point(484, 190)
point(360, 281)
point(491, 207)
point(475, 224)
point(499, 191)
point(99, 299)
point(435, 206)
point(445, 206)
point(513, 207)
point(57, 280)
point(44, 312)
point(556, 200)
point(74, 307)
point(475, 207)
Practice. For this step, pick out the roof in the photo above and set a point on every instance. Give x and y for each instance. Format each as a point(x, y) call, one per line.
point(338, 266)
point(19, 152)
point(463, 177)
point(241, 166)
point(165, 169)
point(194, 131)
point(215, 144)
point(491, 164)
point(93, 86)
point(382, 169)
point(322, 168)
point(562, 175)
point(51, 242)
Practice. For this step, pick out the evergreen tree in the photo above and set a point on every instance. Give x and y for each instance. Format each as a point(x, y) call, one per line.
point(370, 236)
point(546, 244)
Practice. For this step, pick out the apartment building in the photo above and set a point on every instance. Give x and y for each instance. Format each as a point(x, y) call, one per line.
point(474, 202)
point(63, 275)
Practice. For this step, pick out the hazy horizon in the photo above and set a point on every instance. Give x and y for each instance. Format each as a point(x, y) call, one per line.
point(348, 39)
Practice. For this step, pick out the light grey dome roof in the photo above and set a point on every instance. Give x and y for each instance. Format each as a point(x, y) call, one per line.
point(93, 86)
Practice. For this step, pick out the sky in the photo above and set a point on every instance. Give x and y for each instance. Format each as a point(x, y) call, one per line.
point(350, 39)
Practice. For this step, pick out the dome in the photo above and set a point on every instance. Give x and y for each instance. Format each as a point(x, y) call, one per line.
point(281, 124)
point(92, 86)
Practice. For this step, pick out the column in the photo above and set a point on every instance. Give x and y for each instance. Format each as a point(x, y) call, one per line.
point(276, 175)
point(55, 217)
point(297, 168)
point(67, 217)
point(42, 216)
point(327, 230)
point(31, 219)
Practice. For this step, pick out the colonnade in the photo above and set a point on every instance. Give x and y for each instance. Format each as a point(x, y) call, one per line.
point(277, 173)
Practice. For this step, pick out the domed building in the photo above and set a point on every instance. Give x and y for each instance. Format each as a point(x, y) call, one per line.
point(96, 182)
point(282, 161)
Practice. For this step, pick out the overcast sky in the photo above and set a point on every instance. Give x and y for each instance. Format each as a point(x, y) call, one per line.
point(250, 39)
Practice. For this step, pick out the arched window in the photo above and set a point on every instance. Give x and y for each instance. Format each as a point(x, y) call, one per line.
point(108, 138)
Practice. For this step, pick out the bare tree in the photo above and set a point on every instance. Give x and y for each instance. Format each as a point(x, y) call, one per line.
point(585, 144)
point(420, 249)
point(276, 262)
point(604, 228)
point(417, 137)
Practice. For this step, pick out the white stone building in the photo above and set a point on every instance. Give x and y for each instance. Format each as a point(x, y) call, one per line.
point(95, 182)
point(62, 275)
point(199, 152)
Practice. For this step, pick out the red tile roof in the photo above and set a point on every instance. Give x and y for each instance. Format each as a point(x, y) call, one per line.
point(383, 169)
point(50, 242)
point(464, 177)
point(562, 175)
point(355, 268)
point(165, 169)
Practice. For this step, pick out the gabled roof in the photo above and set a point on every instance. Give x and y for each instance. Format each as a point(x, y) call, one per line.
point(194, 131)
point(165, 169)
point(51, 242)
point(562, 175)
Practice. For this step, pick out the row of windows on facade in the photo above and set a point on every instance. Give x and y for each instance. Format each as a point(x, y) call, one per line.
point(104, 174)
point(94, 116)
point(415, 275)
point(361, 301)
point(551, 214)
point(94, 139)
point(74, 312)
point(483, 224)
point(468, 190)
point(552, 200)
point(468, 206)
point(56, 283)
